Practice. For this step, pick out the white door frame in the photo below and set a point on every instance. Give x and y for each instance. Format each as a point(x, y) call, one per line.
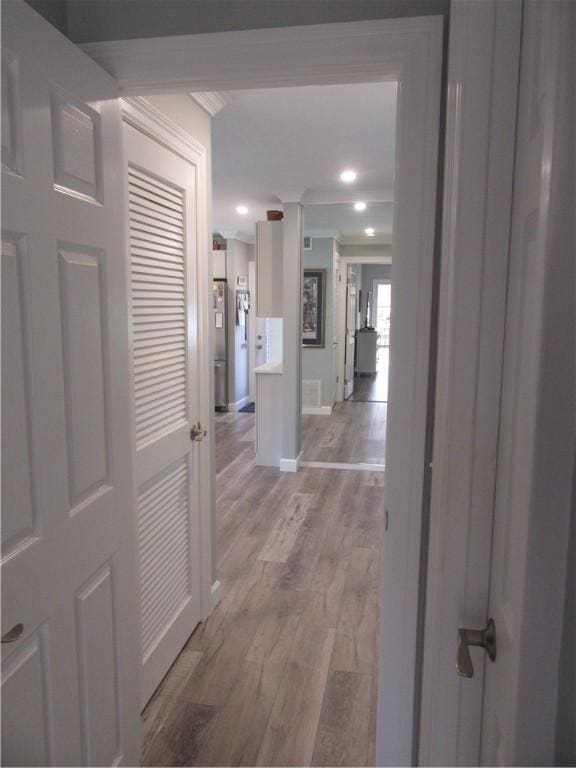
point(409, 51)
point(146, 118)
point(252, 332)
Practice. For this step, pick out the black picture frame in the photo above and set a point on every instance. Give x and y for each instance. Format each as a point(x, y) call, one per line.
point(314, 308)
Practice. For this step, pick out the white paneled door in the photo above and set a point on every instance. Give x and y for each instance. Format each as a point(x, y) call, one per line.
point(162, 243)
point(70, 670)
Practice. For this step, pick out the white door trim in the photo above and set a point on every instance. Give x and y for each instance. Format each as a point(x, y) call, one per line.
point(408, 51)
point(348, 52)
point(480, 140)
point(142, 115)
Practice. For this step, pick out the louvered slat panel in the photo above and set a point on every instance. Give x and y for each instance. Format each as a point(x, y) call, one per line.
point(156, 219)
point(163, 528)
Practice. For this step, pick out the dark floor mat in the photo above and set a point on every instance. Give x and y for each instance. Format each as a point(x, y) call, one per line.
point(250, 408)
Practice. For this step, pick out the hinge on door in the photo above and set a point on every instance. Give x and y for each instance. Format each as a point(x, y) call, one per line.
point(337, 379)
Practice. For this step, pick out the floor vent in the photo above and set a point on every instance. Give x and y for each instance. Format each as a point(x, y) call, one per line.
point(311, 393)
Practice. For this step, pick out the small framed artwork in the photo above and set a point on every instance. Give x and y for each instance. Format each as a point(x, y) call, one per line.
point(313, 308)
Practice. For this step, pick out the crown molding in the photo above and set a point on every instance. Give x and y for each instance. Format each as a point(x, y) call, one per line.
point(264, 58)
point(137, 111)
point(210, 101)
point(381, 196)
point(322, 233)
point(236, 234)
point(384, 238)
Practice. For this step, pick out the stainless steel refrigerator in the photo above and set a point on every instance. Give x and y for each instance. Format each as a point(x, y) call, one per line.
point(219, 291)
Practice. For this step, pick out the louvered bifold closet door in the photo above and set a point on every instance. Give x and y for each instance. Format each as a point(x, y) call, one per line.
point(162, 244)
point(158, 304)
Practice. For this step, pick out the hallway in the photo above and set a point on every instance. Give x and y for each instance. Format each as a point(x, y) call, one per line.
point(284, 670)
point(373, 388)
point(354, 433)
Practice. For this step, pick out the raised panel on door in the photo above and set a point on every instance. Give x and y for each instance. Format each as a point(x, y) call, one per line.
point(27, 721)
point(97, 638)
point(19, 502)
point(70, 680)
point(83, 304)
point(162, 234)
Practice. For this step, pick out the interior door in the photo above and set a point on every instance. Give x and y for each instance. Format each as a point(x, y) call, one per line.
point(351, 312)
point(162, 241)
point(69, 677)
point(530, 526)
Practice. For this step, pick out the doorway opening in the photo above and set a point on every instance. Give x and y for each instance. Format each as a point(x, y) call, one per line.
point(345, 382)
point(299, 573)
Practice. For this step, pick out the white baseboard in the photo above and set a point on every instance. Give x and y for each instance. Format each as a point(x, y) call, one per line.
point(239, 403)
point(216, 593)
point(341, 465)
point(316, 410)
point(289, 465)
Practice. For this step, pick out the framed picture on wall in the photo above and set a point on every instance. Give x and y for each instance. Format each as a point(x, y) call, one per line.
point(313, 308)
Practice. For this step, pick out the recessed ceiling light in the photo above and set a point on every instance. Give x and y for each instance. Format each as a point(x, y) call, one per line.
point(348, 176)
point(360, 206)
point(370, 231)
point(242, 210)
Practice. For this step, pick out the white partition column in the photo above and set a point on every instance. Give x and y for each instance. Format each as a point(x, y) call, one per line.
point(292, 304)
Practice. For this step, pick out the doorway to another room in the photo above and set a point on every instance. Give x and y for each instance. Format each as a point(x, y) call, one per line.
point(345, 371)
point(373, 340)
point(299, 574)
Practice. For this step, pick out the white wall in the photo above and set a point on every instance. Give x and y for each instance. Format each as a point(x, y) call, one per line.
point(90, 20)
point(238, 254)
point(317, 363)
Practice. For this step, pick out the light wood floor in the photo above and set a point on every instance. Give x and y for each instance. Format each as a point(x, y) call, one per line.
point(354, 433)
point(284, 670)
point(373, 389)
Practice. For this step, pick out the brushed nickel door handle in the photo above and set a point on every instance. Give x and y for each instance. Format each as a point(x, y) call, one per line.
point(197, 434)
point(483, 638)
point(14, 634)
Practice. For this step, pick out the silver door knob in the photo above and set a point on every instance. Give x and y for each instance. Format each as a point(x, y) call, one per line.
point(483, 638)
point(14, 634)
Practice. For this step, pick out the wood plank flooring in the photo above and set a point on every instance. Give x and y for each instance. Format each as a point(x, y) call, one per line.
point(370, 389)
point(284, 670)
point(354, 433)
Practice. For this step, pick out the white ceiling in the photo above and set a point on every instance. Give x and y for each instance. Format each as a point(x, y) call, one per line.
point(290, 144)
point(342, 221)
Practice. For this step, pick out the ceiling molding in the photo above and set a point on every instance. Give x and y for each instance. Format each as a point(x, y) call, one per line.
point(263, 58)
point(319, 233)
point(365, 259)
point(210, 101)
point(362, 239)
point(347, 196)
point(236, 234)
